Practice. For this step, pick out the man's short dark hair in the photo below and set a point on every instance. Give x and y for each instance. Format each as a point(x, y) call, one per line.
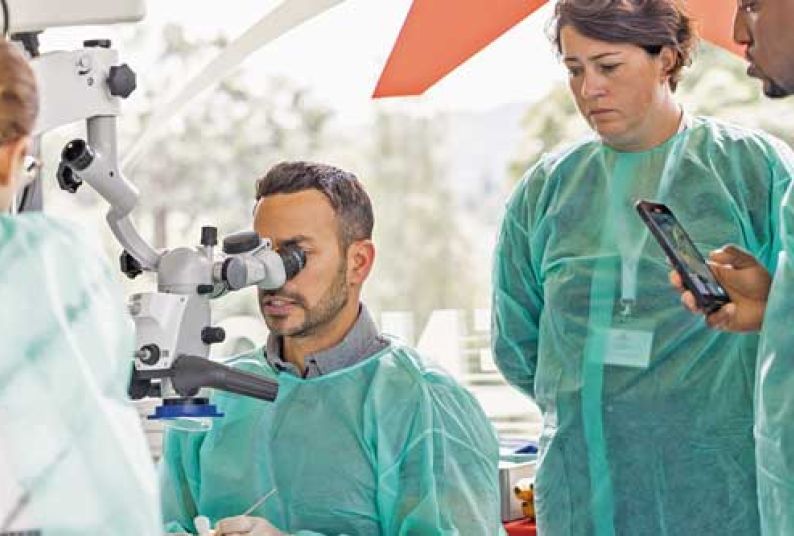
point(342, 189)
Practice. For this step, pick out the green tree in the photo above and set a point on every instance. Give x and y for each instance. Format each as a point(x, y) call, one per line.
point(423, 261)
point(205, 165)
point(549, 124)
point(718, 86)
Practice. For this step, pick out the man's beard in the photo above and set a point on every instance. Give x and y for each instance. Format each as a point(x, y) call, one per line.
point(773, 90)
point(328, 308)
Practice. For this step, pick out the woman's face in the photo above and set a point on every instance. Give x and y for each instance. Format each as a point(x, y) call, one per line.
point(619, 88)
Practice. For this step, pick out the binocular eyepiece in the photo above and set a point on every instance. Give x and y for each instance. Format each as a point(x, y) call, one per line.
point(253, 261)
point(294, 259)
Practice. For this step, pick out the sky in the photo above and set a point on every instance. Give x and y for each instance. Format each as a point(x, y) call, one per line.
point(339, 55)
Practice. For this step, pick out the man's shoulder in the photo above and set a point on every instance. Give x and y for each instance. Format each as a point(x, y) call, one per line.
point(411, 373)
point(403, 359)
point(736, 137)
point(421, 387)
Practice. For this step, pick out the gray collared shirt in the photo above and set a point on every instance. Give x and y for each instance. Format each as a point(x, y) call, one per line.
point(362, 341)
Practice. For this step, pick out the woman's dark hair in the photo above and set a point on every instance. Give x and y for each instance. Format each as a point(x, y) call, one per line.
point(649, 24)
point(19, 101)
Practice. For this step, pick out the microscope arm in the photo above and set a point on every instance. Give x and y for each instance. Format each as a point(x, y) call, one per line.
point(191, 373)
point(96, 163)
point(88, 84)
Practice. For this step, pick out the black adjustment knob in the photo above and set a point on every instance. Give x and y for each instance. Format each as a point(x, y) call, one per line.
point(97, 43)
point(121, 81)
point(77, 154)
point(211, 335)
point(129, 265)
point(66, 179)
point(209, 236)
point(149, 354)
point(240, 242)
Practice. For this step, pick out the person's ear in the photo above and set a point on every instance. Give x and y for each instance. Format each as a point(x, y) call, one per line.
point(360, 258)
point(667, 59)
point(11, 155)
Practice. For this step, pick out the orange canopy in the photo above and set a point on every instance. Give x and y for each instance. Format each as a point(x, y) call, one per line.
point(439, 35)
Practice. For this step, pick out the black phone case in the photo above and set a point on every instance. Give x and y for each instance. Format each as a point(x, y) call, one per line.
point(708, 303)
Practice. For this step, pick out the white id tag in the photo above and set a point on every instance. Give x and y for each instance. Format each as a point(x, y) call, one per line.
point(628, 347)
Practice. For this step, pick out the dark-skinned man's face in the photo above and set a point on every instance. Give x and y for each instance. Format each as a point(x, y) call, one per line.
point(766, 29)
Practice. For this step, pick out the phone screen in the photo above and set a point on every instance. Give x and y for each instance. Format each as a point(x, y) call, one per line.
point(684, 252)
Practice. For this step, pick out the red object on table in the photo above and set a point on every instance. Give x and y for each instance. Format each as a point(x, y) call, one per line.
point(522, 527)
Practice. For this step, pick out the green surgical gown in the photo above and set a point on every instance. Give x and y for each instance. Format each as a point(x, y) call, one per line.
point(775, 392)
point(387, 446)
point(664, 445)
point(73, 457)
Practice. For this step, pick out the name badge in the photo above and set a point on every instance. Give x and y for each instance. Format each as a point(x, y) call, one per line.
point(628, 347)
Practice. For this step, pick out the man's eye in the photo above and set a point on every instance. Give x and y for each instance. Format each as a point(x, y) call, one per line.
point(608, 68)
point(574, 71)
point(749, 7)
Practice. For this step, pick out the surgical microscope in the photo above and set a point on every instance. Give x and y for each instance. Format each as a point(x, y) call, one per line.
point(173, 326)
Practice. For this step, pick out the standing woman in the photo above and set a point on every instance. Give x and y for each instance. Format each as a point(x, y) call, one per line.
point(73, 459)
point(647, 414)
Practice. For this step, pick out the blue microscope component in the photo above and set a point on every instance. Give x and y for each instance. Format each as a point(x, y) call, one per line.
point(197, 408)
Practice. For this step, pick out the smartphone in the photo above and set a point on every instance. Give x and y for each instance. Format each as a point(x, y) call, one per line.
point(684, 256)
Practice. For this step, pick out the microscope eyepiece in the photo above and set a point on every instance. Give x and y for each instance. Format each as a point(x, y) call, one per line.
point(294, 259)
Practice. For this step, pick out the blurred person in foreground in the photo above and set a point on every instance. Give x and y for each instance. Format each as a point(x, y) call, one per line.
point(73, 457)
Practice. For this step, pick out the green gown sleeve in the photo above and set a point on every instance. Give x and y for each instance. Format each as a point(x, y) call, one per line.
point(517, 300)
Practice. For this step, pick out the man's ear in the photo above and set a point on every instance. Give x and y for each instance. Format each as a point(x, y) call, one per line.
point(360, 258)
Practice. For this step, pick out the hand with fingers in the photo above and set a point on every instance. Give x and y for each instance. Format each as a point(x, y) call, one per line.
point(246, 526)
point(747, 283)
